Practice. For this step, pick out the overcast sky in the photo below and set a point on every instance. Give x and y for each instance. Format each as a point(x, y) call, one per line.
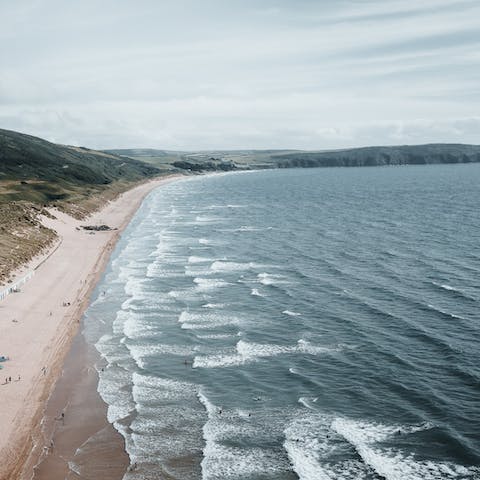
point(211, 74)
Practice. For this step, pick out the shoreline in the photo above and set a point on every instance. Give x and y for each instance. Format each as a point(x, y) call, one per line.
point(78, 441)
point(48, 314)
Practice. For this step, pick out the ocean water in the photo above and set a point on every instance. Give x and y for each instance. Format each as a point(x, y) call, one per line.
point(297, 324)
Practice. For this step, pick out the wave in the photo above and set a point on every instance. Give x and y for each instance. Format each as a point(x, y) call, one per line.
point(214, 305)
point(443, 312)
point(313, 441)
point(215, 336)
point(222, 459)
point(291, 314)
point(307, 446)
point(138, 326)
point(205, 219)
point(201, 321)
point(307, 402)
point(195, 259)
point(214, 207)
point(224, 266)
point(142, 352)
point(247, 352)
point(114, 386)
point(392, 463)
point(256, 293)
point(148, 389)
point(249, 228)
point(158, 269)
point(271, 279)
point(206, 284)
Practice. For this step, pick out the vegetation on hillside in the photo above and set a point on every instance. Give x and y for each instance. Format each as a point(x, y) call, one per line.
point(381, 156)
point(35, 174)
point(260, 159)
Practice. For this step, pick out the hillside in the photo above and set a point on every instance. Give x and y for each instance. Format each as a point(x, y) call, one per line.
point(32, 169)
point(380, 156)
point(354, 157)
point(35, 174)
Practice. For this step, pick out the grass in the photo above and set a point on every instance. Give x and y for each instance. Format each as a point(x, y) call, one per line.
point(35, 174)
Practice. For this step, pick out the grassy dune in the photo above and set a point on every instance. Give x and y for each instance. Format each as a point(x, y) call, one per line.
point(35, 174)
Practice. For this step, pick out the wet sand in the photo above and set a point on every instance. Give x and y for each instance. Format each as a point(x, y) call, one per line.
point(81, 444)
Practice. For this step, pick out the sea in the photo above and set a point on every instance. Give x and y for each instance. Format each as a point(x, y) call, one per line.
point(312, 324)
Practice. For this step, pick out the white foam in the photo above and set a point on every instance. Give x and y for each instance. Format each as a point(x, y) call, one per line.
point(307, 347)
point(247, 352)
point(256, 293)
point(215, 336)
point(272, 279)
point(159, 270)
point(214, 207)
point(223, 462)
point(190, 294)
point(306, 444)
point(391, 463)
point(209, 406)
point(147, 388)
point(437, 309)
point(249, 228)
point(206, 320)
point(206, 284)
point(205, 219)
point(308, 401)
point(194, 259)
point(214, 305)
point(291, 314)
point(214, 361)
point(197, 270)
point(119, 401)
point(139, 325)
point(454, 289)
point(140, 352)
point(224, 266)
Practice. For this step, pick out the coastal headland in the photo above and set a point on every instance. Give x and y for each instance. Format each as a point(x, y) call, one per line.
point(39, 322)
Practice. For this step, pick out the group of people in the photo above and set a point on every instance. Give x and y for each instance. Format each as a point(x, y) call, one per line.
point(9, 380)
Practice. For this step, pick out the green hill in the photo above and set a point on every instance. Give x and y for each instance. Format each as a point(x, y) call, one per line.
point(380, 156)
point(32, 169)
point(354, 157)
point(35, 174)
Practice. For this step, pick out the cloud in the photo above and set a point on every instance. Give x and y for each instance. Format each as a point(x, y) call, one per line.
point(215, 74)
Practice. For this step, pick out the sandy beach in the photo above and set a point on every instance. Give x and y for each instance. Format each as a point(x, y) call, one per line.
point(39, 322)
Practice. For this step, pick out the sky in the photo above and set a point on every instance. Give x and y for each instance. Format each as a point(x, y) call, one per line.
point(241, 74)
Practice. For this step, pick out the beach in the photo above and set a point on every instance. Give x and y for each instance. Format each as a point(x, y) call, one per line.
point(38, 324)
